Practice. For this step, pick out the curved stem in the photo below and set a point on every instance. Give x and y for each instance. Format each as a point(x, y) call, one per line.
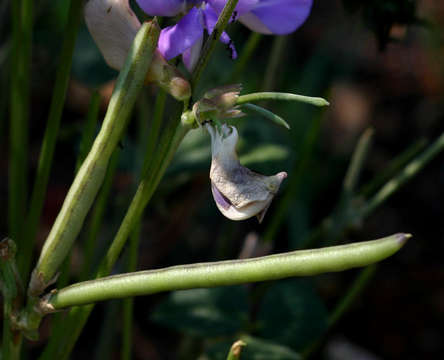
point(259, 96)
point(224, 273)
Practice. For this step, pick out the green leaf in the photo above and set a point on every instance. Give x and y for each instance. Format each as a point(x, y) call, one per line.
point(256, 349)
point(266, 114)
point(265, 153)
point(292, 314)
point(204, 312)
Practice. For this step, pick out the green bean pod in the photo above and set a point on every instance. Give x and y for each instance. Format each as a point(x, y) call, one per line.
point(91, 174)
point(223, 273)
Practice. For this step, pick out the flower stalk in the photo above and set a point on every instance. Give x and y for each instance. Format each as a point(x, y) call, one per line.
point(260, 96)
point(90, 176)
point(210, 44)
point(224, 273)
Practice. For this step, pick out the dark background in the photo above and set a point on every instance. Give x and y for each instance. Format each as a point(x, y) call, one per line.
point(380, 64)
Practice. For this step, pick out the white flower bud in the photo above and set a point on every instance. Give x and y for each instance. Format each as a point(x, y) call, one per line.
point(113, 26)
point(239, 193)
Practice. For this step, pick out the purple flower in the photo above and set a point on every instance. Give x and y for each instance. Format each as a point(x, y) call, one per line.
point(264, 16)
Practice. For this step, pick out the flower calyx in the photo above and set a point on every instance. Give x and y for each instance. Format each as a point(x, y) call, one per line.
point(218, 104)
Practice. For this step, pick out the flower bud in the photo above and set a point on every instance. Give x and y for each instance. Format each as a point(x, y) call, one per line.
point(239, 193)
point(168, 78)
point(219, 103)
point(113, 26)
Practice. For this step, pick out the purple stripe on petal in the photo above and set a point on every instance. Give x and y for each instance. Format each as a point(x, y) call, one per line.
point(210, 19)
point(162, 7)
point(174, 40)
point(220, 198)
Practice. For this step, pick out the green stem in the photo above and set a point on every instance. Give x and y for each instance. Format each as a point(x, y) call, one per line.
point(245, 57)
point(22, 21)
point(236, 350)
point(78, 316)
point(224, 273)
point(357, 162)
point(97, 215)
point(12, 291)
point(153, 135)
point(210, 44)
point(405, 175)
point(351, 294)
point(90, 176)
point(393, 167)
point(345, 210)
point(128, 304)
point(267, 114)
point(260, 96)
point(89, 129)
point(50, 137)
point(274, 62)
point(297, 173)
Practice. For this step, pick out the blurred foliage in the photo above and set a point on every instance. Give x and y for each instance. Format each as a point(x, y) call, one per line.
point(381, 15)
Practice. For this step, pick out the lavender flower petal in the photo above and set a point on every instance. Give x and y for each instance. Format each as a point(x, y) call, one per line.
point(242, 7)
point(219, 197)
point(162, 7)
point(277, 16)
point(191, 55)
point(174, 40)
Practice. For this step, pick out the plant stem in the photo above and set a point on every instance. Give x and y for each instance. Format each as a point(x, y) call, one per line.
point(89, 129)
point(224, 273)
point(128, 303)
point(357, 162)
point(274, 61)
point(298, 170)
point(211, 42)
point(260, 96)
point(267, 114)
point(245, 57)
point(12, 291)
point(97, 215)
point(77, 317)
point(22, 21)
point(393, 167)
point(406, 174)
point(50, 138)
point(90, 176)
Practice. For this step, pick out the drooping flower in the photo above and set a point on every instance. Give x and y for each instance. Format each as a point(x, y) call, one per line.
point(186, 37)
point(113, 26)
point(239, 193)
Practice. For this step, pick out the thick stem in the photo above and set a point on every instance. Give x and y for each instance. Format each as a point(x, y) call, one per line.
point(224, 273)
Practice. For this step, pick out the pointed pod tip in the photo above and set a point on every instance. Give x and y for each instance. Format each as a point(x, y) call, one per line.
point(403, 237)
